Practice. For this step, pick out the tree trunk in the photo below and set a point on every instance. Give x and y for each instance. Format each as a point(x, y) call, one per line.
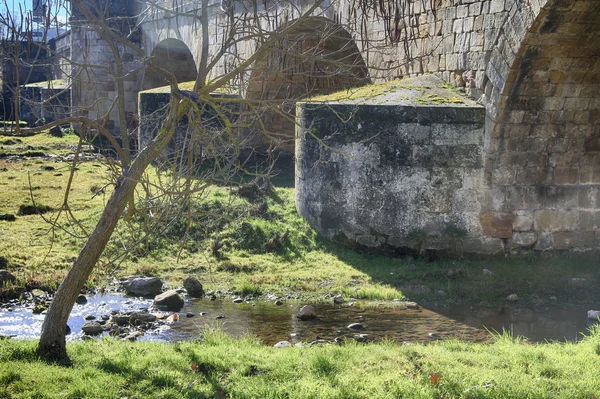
point(52, 345)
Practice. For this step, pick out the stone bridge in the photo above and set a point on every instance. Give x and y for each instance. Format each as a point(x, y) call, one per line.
point(533, 64)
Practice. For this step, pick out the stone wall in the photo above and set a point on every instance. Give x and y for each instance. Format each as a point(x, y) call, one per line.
point(49, 101)
point(402, 169)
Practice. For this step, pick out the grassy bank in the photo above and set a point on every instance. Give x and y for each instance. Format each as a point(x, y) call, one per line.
point(242, 223)
point(221, 367)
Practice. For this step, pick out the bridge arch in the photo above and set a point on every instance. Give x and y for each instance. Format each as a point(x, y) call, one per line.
point(174, 56)
point(543, 135)
point(317, 56)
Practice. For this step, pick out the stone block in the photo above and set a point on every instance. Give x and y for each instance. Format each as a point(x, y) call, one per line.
point(483, 245)
point(522, 223)
point(589, 174)
point(575, 239)
point(475, 9)
point(414, 133)
point(559, 220)
point(524, 239)
point(496, 224)
point(566, 175)
point(496, 6)
point(588, 197)
point(589, 220)
point(462, 11)
point(545, 242)
point(457, 134)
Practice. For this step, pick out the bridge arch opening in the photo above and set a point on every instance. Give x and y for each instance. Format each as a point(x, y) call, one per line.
point(543, 157)
point(316, 57)
point(174, 56)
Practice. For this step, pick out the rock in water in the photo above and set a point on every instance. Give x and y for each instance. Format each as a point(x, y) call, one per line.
point(593, 314)
point(338, 299)
point(307, 312)
point(193, 287)
point(355, 326)
point(169, 300)
point(92, 328)
point(81, 299)
point(143, 286)
point(6, 277)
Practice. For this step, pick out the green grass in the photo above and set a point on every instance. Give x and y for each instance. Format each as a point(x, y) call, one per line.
point(304, 266)
point(219, 366)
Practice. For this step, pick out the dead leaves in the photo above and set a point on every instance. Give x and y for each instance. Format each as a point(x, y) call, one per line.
point(435, 378)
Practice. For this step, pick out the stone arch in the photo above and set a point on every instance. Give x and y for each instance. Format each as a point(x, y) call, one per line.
point(174, 56)
point(543, 137)
point(318, 56)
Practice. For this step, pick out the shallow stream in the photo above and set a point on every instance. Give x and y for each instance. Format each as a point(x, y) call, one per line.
point(271, 323)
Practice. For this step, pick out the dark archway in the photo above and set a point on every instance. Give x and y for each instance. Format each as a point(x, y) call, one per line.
point(316, 57)
point(174, 56)
point(543, 157)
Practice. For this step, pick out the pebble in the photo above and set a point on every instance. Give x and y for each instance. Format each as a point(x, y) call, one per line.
point(238, 300)
point(278, 303)
point(361, 337)
point(434, 335)
point(338, 299)
point(81, 299)
point(220, 317)
point(189, 314)
point(282, 344)
point(89, 317)
point(512, 298)
point(355, 326)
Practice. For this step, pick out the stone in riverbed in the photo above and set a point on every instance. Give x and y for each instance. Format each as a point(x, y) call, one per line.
point(356, 326)
point(307, 312)
point(169, 300)
point(143, 286)
point(238, 300)
point(81, 299)
point(338, 299)
point(282, 344)
point(593, 314)
point(193, 287)
point(92, 328)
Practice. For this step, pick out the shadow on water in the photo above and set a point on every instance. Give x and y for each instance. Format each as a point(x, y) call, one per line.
point(271, 324)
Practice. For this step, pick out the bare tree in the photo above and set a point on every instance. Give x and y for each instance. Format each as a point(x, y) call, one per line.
point(270, 54)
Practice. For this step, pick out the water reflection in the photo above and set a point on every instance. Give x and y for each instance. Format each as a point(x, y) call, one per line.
point(270, 323)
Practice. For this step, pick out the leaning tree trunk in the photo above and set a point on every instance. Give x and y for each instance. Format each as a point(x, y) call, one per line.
point(52, 345)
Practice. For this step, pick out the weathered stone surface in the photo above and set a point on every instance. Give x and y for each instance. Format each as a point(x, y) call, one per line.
point(496, 224)
point(143, 286)
point(549, 220)
point(282, 344)
point(512, 298)
point(169, 300)
point(193, 287)
point(593, 314)
point(522, 223)
point(307, 312)
point(524, 239)
point(92, 328)
point(411, 172)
